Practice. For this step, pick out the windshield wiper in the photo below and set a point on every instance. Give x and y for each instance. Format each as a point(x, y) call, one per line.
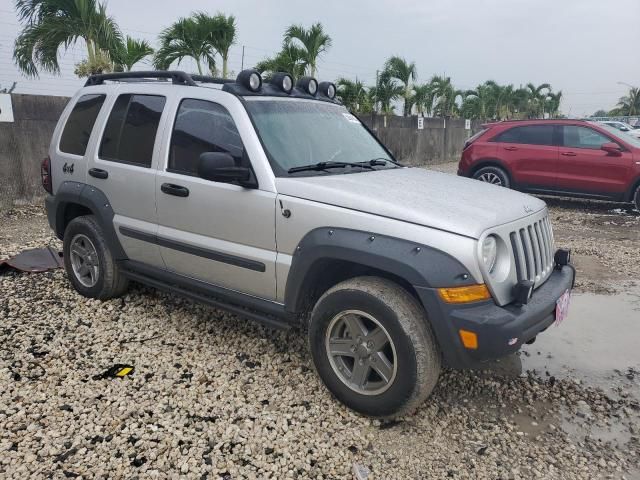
point(327, 165)
point(382, 161)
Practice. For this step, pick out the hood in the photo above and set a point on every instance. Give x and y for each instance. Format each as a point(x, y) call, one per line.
point(424, 197)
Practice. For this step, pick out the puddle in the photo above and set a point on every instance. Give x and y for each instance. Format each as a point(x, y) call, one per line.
point(598, 344)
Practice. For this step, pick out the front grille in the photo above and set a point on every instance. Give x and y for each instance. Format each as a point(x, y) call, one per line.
point(533, 251)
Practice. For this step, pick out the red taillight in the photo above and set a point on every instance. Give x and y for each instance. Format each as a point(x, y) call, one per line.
point(45, 173)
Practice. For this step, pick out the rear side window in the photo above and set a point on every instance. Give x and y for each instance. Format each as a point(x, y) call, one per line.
point(528, 135)
point(77, 130)
point(131, 130)
point(202, 126)
point(582, 137)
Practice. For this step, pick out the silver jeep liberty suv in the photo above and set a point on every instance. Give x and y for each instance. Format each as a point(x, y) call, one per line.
point(271, 200)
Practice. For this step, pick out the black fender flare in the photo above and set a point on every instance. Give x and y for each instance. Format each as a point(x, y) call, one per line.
point(92, 198)
point(419, 265)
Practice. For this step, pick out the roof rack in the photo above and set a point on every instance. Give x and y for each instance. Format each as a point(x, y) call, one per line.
point(177, 77)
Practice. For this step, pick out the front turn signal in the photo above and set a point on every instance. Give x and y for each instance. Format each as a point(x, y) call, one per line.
point(466, 294)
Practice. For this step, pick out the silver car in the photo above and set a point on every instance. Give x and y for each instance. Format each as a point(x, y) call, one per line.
point(271, 200)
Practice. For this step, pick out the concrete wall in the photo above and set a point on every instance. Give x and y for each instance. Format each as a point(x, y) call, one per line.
point(441, 140)
point(25, 142)
point(23, 145)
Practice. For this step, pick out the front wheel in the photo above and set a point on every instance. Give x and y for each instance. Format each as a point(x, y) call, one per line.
point(373, 347)
point(493, 175)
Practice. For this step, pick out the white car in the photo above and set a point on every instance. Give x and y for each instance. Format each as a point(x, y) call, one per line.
point(623, 127)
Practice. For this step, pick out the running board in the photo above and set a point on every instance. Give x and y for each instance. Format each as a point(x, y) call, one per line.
point(267, 320)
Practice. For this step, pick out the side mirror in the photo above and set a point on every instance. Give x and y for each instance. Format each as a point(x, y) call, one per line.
point(221, 167)
point(611, 148)
point(624, 129)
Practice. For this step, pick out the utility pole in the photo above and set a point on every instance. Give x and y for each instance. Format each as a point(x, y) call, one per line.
point(242, 64)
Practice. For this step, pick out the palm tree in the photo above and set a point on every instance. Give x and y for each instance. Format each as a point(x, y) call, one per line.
point(405, 72)
point(537, 99)
point(190, 37)
point(385, 92)
point(224, 37)
point(353, 95)
point(290, 59)
point(130, 52)
point(479, 103)
point(630, 103)
point(51, 24)
point(312, 42)
point(552, 105)
point(423, 96)
point(446, 96)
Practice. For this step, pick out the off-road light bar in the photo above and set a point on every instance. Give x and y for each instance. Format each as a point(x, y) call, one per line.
point(327, 89)
point(283, 81)
point(309, 85)
point(250, 79)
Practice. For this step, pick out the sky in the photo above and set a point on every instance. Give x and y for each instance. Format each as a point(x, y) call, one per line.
point(589, 49)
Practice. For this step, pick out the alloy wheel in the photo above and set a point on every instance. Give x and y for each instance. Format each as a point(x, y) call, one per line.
point(361, 352)
point(84, 260)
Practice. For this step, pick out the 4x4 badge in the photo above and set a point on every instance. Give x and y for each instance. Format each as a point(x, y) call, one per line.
point(67, 168)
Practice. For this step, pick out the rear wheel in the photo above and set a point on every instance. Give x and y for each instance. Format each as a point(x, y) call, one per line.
point(493, 175)
point(90, 266)
point(636, 198)
point(373, 348)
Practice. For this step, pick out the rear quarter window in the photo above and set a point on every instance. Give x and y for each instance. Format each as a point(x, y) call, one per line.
point(77, 130)
point(528, 135)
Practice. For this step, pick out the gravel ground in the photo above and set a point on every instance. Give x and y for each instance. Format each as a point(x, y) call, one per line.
point(215, 396)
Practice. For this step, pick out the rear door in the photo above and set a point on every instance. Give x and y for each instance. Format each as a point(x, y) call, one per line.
point(530, 154)
point(583, 167)
point(122, 165)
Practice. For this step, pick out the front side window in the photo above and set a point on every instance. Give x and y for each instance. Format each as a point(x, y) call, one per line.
point(528, 135)
point(130, 133)
point(76, 133)
point(202, 126)
point(574, 136)
point(296, 133)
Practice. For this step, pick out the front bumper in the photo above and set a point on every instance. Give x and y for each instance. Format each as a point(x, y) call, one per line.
point(496, 327)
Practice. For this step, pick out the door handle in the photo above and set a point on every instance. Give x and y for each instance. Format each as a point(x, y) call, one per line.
point(98, 173)
point(177, 190)
point(568, 154)
point(511, 149)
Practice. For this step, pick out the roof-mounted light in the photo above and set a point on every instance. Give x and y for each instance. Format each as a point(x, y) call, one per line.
point(250, 79)
point(309, 85)
point(327, 89)
point(283, 81)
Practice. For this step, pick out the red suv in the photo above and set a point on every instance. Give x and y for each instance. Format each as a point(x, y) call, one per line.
point(556, 157)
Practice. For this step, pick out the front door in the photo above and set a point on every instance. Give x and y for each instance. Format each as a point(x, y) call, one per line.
point(123, 167)
point(585, 168)
point(219, 233)
point(531, 155)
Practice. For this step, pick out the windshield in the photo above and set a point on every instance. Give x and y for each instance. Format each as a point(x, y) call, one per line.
point(624, 136)
point(298, 133)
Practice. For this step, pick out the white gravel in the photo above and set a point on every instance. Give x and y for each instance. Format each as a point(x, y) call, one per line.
point(216, 396)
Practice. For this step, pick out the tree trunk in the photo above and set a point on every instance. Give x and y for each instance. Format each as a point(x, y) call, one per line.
point(199, 66)
point(224, 66)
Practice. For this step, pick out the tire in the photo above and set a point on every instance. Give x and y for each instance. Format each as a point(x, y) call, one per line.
point(493, 175)
point(98, 275)
point(412, 347)
point(636, 198)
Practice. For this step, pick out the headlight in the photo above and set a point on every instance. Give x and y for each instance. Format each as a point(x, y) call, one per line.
point(489, 253)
